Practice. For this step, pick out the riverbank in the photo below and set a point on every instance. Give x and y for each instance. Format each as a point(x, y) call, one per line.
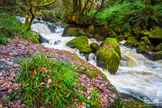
point(18, 49)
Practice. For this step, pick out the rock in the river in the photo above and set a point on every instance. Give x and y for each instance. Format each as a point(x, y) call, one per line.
point(81, 43)
point(108, 55)
point(156, 36)
point(131, 42)
point(94, 47)
point(57, 42)
point(159, 47)
point(155, 56)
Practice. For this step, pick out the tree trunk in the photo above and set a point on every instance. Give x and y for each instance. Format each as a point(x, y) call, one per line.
point(27, 13)
point(75, 6)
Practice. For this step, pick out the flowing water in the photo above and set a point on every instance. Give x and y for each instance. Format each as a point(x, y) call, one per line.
point(137, 75)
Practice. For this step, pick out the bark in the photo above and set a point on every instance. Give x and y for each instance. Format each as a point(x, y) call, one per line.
point(27, 13)
point(80, 5)
point(75, 6)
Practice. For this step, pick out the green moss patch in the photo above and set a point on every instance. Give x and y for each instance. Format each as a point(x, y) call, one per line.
point(81, 43)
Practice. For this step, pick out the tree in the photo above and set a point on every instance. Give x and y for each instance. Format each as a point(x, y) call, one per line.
point(32, 6)
point(77, 11)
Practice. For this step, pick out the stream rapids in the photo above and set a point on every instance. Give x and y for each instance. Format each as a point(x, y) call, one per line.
point(136, 76)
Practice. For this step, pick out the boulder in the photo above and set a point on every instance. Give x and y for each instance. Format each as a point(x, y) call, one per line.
point(156, 36)
point(131, 42)
point(108, 55)
point(146, 40)
point(155, 56)
point(94, 47)
point(73, 31)
point(158, 47)
point(81, 43)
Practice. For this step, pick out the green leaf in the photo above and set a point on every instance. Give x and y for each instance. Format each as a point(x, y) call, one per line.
point(16, 97)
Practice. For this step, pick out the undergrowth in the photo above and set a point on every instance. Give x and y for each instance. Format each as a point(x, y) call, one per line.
point(47, 82)
point(16, 28)
point(129, 15)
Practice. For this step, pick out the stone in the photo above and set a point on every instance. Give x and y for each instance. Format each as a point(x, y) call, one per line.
point(57, 42)
point(94, 47)
point(155, 36)
point(108, 55)
point(155, 56)
point(81, 43)
point(131, 42)
point(146, 40)
point(158, 47)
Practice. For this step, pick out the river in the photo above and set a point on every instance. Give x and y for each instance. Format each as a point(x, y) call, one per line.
point(137, 75)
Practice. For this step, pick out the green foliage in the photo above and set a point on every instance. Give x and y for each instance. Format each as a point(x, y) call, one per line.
point(16, 28)
point(47, 81)
point(129, 15)
point(4, 41)
point(7, 98)
point(94, 101)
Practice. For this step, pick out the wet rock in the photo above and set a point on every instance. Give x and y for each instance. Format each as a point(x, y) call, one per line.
point(155, 56)
point(81, 43)
point(94, 47)
point(156, 36)
point(108, 55)
point(57, 42)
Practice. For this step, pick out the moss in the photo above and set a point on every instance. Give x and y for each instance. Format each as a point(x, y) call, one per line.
point(159, 47)
point(108, 55)
point(72, 31)
point(94, 47)
point(156, 36)
point(81, 43)
point(111, 34)
point(142, 49)
point(131, 42)
point(130, 104)
point(146, 40)
point(155, 56)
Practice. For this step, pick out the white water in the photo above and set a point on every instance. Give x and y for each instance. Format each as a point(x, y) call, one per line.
point(136, 75)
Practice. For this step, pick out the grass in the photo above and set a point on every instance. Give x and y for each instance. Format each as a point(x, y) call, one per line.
point(16, 28)
point(47, 82)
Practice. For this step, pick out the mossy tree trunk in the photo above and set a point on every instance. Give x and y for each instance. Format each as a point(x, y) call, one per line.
point(32, 8)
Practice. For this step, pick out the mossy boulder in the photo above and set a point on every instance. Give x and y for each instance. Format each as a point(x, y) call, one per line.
point(143, 48)
point(156, 36)
point(146, 40)
point(73, 31)
point(131, 42)
point(159, 47)
point(108, 55)
point(81, 43)
point(155, 56)
point(5, 32)
point(94, 47)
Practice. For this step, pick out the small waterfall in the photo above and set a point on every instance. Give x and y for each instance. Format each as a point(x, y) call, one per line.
point(136, 75)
